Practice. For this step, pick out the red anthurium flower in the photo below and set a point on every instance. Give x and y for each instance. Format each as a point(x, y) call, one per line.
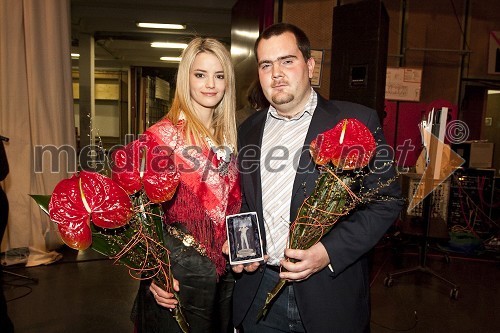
point(349, 145)
point(145, 164)
point(85, 197)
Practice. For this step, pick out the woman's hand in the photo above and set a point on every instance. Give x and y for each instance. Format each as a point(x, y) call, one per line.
point(164, 298)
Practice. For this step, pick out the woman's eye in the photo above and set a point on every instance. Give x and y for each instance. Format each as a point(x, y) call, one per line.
point(198, 75)
point(220, 77)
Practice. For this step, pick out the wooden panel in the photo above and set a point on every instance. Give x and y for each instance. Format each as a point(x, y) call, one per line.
point(103, 91)
point(107, 91)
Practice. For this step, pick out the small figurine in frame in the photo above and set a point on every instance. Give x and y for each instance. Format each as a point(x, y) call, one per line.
point(243, 234)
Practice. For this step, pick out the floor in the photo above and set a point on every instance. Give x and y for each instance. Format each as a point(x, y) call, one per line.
point(84, 292)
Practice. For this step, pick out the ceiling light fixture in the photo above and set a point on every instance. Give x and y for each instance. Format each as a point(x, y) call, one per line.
point(161, 26)
point(175, 59)
point(167, 45)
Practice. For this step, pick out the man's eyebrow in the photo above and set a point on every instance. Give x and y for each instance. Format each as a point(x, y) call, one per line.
point(277, 59)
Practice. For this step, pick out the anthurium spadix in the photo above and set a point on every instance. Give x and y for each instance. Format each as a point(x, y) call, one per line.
point(349, 145)
point(88, 197)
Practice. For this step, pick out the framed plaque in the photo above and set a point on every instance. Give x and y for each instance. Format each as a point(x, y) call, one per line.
point(244, 239)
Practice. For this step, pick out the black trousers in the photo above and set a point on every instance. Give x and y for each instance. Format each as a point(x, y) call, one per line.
point(206, 301)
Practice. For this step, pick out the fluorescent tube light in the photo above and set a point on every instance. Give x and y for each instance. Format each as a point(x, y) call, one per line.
point(161, 26)
point(167, 45)
point(176, 59)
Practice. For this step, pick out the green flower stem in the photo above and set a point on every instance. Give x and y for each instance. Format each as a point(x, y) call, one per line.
point(329, 201)
point(177, 312)
point(270, 298)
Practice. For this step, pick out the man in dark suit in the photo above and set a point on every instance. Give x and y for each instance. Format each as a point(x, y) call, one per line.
point(330, 281)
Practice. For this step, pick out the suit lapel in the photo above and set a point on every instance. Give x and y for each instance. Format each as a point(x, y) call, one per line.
point(252, 180)
point(324, 118)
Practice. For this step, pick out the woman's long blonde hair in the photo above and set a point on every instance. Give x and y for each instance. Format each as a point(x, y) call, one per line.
point(224, 120)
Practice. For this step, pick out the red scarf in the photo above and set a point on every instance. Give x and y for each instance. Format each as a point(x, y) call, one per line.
point(204, 197)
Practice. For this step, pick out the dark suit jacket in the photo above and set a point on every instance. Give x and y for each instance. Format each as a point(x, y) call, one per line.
point(328, 302)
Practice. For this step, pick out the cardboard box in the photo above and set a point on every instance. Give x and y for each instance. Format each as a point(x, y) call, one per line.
point(477, 154)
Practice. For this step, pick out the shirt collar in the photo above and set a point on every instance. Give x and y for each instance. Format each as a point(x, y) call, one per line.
point(309, 108)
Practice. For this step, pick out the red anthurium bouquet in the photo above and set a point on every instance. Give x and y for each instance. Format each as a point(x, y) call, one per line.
point(86, 197)
point(120, 217)
point(349, 145)
point(341, 152)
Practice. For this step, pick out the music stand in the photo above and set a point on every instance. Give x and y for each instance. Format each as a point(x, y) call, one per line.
point(432, 137)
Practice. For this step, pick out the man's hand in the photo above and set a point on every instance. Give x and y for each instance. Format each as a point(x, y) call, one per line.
point(308, 262)
point(164, 298)
point(251, 267)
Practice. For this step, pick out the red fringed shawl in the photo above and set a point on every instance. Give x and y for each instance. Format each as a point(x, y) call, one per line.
point(203, 197)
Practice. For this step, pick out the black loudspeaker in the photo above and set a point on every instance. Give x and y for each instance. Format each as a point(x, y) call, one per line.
point(359, 54)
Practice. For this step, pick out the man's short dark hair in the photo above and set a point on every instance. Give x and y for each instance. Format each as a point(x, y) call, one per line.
point(278, 29)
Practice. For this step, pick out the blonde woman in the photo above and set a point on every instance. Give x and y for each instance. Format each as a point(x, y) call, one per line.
point(200, 128)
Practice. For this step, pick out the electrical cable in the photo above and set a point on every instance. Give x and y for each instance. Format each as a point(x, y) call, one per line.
point(459, 24)
point(10, 283)
point(480, 190)
point(30, 290)
point(471, 200)
point(467, 220)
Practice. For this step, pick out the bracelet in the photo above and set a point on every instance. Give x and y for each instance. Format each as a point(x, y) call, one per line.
point(186, 239)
